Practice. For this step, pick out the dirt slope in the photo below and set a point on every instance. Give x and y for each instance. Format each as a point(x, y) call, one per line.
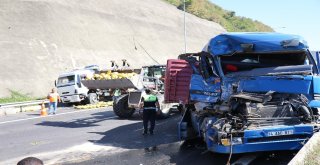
point(41, 38)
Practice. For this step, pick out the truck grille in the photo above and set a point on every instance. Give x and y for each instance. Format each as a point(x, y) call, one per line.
point(262, 122)
point(277, 138)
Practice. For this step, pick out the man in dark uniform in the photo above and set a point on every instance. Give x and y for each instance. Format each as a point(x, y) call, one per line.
point(150, 105)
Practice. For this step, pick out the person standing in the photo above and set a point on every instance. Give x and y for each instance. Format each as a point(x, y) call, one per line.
point(30, 161)
point(150, 105)
point(116, 94)
point(53, 97)
point(114, 65)
point(125, 64)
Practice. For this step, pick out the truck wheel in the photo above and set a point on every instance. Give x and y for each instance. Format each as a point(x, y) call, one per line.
point(92, 98)
point(120, 107)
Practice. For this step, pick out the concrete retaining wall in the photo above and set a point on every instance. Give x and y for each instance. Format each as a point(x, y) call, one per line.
point(41, 38)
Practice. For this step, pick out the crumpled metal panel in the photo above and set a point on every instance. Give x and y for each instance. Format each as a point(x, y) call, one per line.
point(204, 90)
point(229, 43)
point(281, 84)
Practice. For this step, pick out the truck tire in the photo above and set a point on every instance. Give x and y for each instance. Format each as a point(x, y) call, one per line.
point(92, 98)
point(120, 107)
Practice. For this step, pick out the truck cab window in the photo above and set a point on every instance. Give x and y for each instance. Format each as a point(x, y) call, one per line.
point(207, 68)
point(248, 61)
point(67, 80)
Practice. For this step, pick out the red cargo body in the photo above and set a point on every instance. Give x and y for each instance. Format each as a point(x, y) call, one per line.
point(177, 81)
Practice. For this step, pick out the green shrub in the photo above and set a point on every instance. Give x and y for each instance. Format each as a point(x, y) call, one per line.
point(228, 19)
point(16, 97)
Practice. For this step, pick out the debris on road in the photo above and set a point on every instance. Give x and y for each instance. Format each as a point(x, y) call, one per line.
point(97, 105)
point(111, 75)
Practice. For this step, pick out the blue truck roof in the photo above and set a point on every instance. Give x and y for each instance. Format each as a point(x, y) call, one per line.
point(229, 43)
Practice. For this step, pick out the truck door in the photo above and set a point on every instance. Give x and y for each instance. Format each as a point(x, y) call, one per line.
point(205, 86)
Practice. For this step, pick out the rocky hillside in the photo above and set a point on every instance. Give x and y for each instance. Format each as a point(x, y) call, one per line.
point(228, 19)
point(41, 38)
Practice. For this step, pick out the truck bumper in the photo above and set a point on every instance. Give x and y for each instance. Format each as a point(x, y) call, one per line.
point(258, 147)
point(272, 138)
point(71, 99)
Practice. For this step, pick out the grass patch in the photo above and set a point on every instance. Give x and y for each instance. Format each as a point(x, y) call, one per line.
point(228, 19)
point(313, 157)
point(16, 97)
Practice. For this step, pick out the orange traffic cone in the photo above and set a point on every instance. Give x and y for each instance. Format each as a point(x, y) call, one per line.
point(43, 111)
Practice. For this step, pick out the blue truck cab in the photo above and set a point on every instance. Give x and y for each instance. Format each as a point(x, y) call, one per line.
point(247, 92)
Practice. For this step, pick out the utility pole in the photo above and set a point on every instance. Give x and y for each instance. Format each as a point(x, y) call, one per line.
point(185, 28)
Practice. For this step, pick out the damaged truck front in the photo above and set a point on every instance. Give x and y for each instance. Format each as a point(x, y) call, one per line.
point(247, 92)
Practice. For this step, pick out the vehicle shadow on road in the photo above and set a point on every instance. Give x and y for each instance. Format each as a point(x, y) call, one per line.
point(130, 136)
point(82, 122)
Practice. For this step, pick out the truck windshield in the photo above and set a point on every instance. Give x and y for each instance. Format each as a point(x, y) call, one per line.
point(249, 61)
point(65, 81)
point(154, 72)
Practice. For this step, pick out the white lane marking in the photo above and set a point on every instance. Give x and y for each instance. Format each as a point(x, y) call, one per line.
point(31, 118)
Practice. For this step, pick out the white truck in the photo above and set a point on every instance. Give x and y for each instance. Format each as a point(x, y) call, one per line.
point(70, 88)
point(73, 87)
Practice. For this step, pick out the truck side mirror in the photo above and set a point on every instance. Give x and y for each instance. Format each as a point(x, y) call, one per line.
point(55, 83)
point(318, 60)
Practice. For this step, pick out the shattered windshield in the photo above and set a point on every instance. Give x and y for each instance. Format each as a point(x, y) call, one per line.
point(249, 61)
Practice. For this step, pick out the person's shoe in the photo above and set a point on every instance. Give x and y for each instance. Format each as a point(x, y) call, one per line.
point(54, 113)
point(144, 133)
point(151, 132)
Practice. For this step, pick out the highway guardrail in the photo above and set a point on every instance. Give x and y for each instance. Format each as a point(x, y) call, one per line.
point(23, 104)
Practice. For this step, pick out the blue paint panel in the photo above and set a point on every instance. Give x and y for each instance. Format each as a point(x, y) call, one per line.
point(292, 84)
point(316, 84)
point(260, 133)
point(204, 91)
point(256, 147)
point(314, 104)
point(283, 144)
point(229, 43)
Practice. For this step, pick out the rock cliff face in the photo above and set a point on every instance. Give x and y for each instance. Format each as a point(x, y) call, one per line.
point(41, 38)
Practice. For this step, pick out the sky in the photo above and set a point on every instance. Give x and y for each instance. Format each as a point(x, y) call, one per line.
point(301, 17)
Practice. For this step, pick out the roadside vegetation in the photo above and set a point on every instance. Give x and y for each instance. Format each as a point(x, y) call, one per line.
point(228, 19)
point(16, 97)
point(313, 157)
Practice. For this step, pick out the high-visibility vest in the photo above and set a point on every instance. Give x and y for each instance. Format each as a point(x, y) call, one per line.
point(53, 97)
point(149, 101)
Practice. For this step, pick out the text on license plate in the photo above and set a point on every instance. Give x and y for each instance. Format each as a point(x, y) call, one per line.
point(279, 133)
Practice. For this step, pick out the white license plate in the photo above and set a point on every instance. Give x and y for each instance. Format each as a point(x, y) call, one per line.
point(280, 133)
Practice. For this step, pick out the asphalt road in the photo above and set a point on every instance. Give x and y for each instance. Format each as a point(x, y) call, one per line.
point(99, 137)
point(28, 134)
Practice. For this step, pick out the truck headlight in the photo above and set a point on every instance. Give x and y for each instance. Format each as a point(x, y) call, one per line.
point(225, 142)
point(235, 141)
